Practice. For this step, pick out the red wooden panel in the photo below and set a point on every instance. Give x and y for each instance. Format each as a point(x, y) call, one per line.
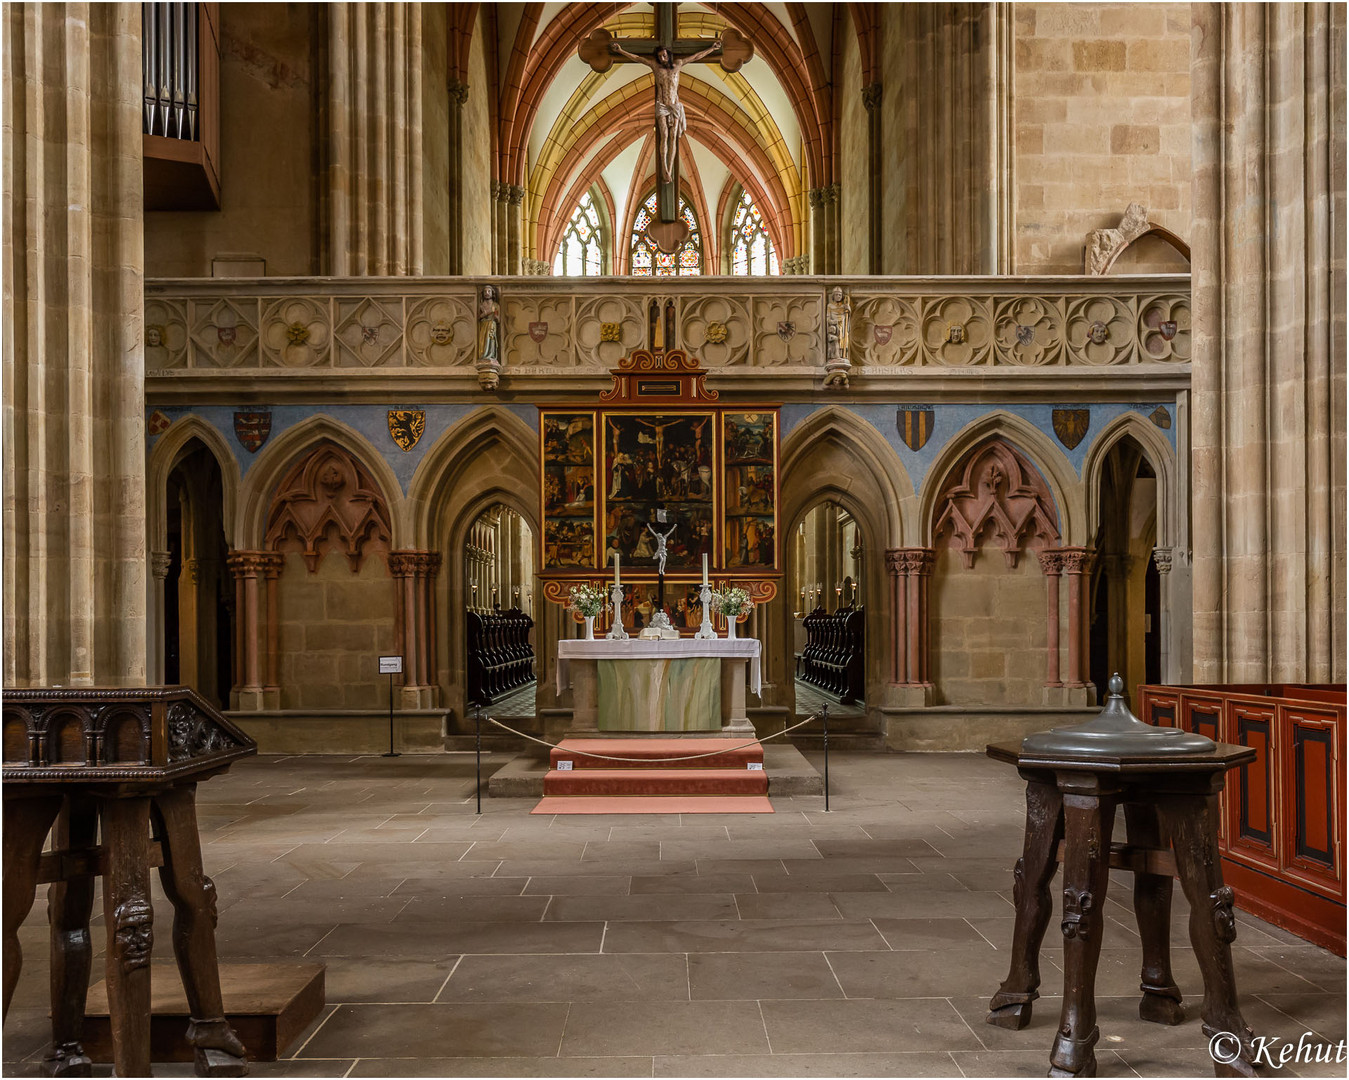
point(1158, 707)
point(1311, 768)
point(1249, 804)
point(1202, 713)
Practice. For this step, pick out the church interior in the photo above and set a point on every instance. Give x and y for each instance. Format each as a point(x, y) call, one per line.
point(445, 619)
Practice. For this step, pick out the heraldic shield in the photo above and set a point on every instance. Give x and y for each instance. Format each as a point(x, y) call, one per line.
point(1070, 425)
point(915, 426)
point(252, 429)
point(406, 426)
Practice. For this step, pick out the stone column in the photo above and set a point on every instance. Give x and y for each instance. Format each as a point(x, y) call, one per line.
point(74, 582)
point(1161, 558)
point(1051, 562)
point(414, 574)
point(246, 566)
point(272, 565)
point(159, 573)
point(916, 564)
point(515, 250)
point(458, 92)
point(1267, 98)
point(1076, 564)
point(871, 99)
point(373, 140)
point(189, 643)
point(824, 229)
point(894, 565)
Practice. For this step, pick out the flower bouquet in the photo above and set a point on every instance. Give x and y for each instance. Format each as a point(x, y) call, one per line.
point(588, 600)
point(731, 602)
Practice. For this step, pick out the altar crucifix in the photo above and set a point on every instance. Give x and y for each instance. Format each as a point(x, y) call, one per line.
point(665, 54)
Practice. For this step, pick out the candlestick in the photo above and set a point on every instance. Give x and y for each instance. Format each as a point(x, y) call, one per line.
point(617, 579)
point(616, 631)
point(704, 571)
point(705, 631)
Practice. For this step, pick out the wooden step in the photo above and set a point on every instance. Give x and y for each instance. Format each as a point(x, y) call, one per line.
point(653, 781)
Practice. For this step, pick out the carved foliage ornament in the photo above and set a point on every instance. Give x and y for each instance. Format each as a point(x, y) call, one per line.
point(994, 494)
point(328, 500)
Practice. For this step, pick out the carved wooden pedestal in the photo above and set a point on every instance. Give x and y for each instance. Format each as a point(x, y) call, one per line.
point(1170, 806)
point(78, 763)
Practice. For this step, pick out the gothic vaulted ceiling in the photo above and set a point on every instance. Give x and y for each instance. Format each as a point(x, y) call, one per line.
point(563, 129)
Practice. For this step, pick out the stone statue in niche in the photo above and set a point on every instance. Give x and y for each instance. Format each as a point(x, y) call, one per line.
point(838, 333)
point(489, 339)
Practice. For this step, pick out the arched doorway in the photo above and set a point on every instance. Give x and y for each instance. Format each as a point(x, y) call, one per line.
point(499, 641)
point(1125, 633)
point(198, 594)
point(828, 617)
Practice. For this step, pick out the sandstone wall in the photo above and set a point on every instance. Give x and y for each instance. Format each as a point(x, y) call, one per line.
point(477, 173)
point(854, 153)
point(988, 630)
point(435, 147)
point(1102, 105)
point(267, 125)
point(334, 626)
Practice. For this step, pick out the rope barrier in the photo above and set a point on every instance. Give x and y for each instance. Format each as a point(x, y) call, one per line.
point(641, 761)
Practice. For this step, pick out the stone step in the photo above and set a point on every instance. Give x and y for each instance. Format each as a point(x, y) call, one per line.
point(651, 781)
point(655, 753)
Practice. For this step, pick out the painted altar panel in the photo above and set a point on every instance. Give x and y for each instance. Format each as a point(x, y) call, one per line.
point(750, 442)
point(569, 501)
point(660, 460)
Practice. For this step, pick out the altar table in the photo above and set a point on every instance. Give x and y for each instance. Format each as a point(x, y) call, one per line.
point(659, 686)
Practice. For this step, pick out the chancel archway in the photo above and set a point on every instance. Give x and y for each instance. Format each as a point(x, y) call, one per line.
point(499, 560)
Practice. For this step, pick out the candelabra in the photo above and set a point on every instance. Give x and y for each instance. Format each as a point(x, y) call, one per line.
point(616, 631)
point(705, 630)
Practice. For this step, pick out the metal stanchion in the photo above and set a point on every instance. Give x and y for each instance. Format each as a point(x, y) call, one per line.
point(477, 744)
point(825, 712)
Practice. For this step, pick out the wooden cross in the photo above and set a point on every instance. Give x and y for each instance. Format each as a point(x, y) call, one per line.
point(596, 51)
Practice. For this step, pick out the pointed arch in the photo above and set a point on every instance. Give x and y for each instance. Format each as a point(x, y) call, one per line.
point(491, 453)
point(1159, 454)
point(281, 454)
point(831, 431)
point(170, 448)
point(1038, 449)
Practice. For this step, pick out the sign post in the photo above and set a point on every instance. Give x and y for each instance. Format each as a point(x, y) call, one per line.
point(390, 666)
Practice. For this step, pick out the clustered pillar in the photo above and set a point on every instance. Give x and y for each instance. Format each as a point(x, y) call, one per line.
point(1076, 563)
point(415, 573)
point(256, 686)
point(910, 571)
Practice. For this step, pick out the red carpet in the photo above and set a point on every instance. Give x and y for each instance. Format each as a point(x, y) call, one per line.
point(710, 776)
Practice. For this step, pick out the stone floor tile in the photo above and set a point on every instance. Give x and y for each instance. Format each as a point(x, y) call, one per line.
point(783, 905)
point(643, 908)
point(938, 973)
point(752, 976)
point(874, 848)
point(642, 885)
point(866, 1026)
point(742, 936)
point(835, 1064)
point(671, 1027)
point(428, 887)
point(506, 1066)
point(632, 977)
point(1035, 1062)
point(417, 940)
point(577, 885)
point(603, 850)
point(526, 849)
point(907, 904)
point(911, 935)
point(369, 980)
point(614, 868)
point(823, 883)
point(476, 1030)
point(471, 908)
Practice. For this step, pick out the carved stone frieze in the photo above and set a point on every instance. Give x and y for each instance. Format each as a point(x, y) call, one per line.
point(369, 332)
point(994, 495)
point(296, 332)
point(328, 500)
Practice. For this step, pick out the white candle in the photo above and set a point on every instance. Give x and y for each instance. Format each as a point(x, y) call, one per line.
point(616, 577)
point(704, 571)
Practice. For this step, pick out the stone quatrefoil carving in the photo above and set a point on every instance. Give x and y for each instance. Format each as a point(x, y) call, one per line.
point(328, 500)
point(994, 495)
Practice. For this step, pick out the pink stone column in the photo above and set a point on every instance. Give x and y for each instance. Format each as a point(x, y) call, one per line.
point(1075, 563)
point(411, 677)
point(272, 569)
point(252, 680)
point(894, 564)
point(1051, 562)
point(924, 561)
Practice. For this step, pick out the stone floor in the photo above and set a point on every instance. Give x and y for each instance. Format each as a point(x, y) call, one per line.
point(861, 942)
point(810, 699)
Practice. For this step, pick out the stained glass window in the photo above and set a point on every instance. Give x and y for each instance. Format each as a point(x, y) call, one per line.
point(647, 259)
point(751, 249)
point(581, 250)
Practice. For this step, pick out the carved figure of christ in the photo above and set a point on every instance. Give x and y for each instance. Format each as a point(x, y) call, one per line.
point(671, 121)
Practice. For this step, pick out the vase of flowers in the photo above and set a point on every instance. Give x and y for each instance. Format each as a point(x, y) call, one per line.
point(588, 600)
point(731, 603)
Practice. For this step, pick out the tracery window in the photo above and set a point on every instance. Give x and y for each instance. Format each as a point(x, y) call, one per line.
point(581, 252)
point(647, 259)
point(751, 249)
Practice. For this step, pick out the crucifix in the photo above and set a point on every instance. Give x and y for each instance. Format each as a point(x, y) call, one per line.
point(665, 54)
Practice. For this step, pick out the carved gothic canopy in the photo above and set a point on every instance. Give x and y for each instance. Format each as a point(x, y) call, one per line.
point(994, 495)
point(329, 500)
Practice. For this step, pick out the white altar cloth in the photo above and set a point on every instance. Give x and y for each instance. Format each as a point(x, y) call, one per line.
point(636, 649)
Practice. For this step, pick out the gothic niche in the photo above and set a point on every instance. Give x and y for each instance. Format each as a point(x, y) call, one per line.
point(328, 501)
point(994, 495)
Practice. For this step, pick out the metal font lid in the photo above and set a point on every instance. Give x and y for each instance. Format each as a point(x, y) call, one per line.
point(1114, 733)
